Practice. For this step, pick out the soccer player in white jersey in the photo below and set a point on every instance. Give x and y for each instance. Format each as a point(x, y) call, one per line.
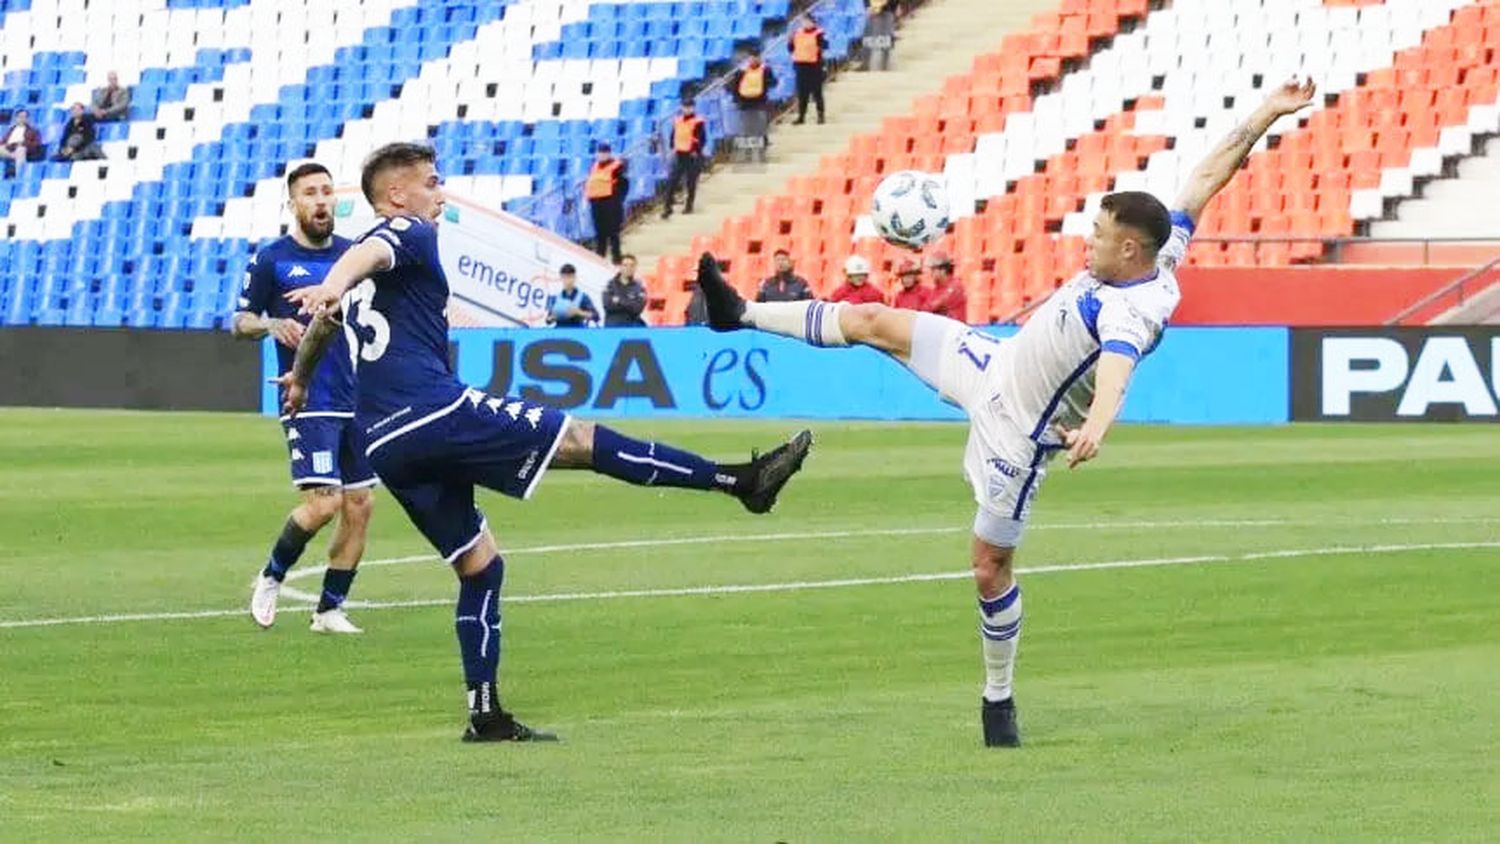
point(1056, 386)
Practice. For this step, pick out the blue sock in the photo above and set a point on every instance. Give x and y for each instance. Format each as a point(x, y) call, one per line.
point(336, 585)
point(288, 549)
point(477, 622)
point(656, 464)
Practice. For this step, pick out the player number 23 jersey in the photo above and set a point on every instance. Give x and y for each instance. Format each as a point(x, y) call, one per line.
point(397, 326)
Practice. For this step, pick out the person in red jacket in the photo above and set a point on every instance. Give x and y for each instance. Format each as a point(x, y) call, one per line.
point(857, 289)
point(948, 297)
point(912, 295)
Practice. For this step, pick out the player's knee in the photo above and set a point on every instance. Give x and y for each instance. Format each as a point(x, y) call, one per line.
point(321, 504)
point(357, 507)
point(992, 567)
point(861, 323)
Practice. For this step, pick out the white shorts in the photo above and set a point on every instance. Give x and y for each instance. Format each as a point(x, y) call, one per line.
point(1002, 463)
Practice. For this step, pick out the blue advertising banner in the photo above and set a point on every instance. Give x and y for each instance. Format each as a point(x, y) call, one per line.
point(1196, 376)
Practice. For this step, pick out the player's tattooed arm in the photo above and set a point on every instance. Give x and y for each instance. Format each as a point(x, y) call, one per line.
point(314, 342)
point(248, 326)
point(1224, 161)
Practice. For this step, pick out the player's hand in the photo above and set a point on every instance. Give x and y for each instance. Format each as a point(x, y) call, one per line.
point(288, 332)
point(1082, 444)
point(293, 394)
point(1292, 96)
point(315, 299)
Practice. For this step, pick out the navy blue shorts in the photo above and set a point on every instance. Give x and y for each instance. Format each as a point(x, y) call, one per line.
point(432, 464)
point(327, 450)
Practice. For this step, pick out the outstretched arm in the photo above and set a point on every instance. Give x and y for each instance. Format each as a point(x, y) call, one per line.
point(359, 263)
point(1220, 166)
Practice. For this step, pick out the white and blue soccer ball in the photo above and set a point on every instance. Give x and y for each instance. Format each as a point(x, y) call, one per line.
point(910, 208)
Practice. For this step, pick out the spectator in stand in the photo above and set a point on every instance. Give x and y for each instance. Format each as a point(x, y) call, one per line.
point(807, 45)
point(784, 286)
point(880, 33)
point(79, 137)
point(689, 139)
point(857, 289)
point(947, 297)
point(605, 190)
point(571, 307)
point(112, 102)
point(912, 295)
point(22, 142)
point(624, 297)
point(751, 87)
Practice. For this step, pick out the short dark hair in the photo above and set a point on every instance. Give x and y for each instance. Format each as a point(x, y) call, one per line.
point(778, 253)
point(1143, 212)
point(389, 157)
point(604, 146)
point(628, 257)
point(302, 171)
point(567, 269)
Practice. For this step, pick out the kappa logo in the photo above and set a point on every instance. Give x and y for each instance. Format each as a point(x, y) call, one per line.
point(534, 416)
point(298, 271)
point(400, 224)
point(297, 454)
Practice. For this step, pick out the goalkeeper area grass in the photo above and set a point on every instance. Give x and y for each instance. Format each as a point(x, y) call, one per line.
point(1231, 634)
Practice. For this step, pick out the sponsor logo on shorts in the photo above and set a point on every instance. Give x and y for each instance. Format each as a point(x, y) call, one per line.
point(405, 411)
point(528, 465)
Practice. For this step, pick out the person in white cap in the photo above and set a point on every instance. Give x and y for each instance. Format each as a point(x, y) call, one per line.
point(857, 288)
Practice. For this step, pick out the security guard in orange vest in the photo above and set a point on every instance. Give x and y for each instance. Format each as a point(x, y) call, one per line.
point(605, 190)
point(689, 139)
point(807, 45)
point(751, 87)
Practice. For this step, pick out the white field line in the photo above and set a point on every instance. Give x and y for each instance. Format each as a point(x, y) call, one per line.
point(314, 571)
point(795, 586)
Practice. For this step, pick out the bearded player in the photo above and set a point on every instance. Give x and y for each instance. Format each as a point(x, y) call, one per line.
point(328, 462)
point(1056, 386)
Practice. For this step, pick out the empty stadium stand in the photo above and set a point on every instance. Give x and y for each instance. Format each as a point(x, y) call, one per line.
point(1119, 94)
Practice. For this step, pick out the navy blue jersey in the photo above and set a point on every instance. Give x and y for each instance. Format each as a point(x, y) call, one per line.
point(282, 265)
point(398, 322)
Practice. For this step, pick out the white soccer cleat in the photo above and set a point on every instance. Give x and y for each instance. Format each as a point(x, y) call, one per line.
point(263, 600)
point(333, 621)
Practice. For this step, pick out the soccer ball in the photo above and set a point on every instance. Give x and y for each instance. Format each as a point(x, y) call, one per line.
point(910, 208)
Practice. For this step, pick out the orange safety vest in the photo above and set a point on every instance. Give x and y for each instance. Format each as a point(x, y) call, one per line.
point(805, 47)
point(601, 183)
point(685, 133)
point(753, 82)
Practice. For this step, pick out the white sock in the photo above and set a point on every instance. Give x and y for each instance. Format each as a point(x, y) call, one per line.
point(999, 635)
point(811, 321)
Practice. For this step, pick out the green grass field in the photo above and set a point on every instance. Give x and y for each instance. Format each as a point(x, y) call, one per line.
point(1330, 672)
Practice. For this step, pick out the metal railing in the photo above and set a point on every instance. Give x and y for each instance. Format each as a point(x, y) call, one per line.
point(1458, 287)
point(564, 199)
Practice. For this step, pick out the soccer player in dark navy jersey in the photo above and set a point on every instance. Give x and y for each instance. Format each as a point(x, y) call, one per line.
point(329, 467)
point(433, 439)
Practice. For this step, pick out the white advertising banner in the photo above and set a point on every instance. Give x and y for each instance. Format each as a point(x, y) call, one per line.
point(500, 268)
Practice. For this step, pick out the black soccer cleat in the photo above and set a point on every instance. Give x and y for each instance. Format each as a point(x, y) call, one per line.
point(725, 307)
point(999, 719)
point(502, 726)
point(767, 474)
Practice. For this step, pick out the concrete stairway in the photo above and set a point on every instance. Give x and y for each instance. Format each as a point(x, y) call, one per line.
point(938, 40)
point(1448, 206)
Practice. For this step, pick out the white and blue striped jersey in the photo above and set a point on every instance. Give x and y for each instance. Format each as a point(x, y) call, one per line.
point(1047, 368)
